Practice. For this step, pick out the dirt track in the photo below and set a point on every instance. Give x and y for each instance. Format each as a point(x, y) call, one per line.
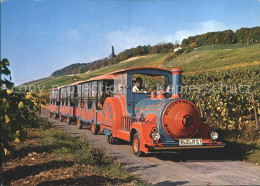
point(173, 168)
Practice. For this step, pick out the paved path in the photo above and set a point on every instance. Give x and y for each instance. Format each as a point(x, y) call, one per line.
point(173, 168)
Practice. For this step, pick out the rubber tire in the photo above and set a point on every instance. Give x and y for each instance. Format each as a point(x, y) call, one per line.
point(68, 120)
point(55, 115)
point(136, 146)
point(60, 118)
point(94, 129)
point(79, 124)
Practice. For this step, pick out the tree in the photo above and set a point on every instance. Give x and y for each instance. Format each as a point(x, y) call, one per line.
point(112, 53)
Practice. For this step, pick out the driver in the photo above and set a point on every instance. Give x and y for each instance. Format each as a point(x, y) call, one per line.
point(138, 88)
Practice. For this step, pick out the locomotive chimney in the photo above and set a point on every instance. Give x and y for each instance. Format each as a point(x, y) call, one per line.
point(176, 82)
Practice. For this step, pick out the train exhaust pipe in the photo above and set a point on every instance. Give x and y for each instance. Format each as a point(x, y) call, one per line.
point(176, 82)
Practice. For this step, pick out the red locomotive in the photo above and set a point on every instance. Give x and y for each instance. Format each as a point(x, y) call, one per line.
point(141, 105)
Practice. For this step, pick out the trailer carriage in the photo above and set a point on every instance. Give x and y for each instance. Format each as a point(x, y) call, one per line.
point(54, 103)
point(68, 102)
point(91, 96)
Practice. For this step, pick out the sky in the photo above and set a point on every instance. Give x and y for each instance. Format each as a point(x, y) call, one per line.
point(41, 36)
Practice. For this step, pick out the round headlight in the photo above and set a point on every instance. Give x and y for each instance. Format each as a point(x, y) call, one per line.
point(155, 135)
point(214, 135)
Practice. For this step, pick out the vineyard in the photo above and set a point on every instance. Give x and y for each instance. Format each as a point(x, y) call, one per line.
point(226, 97)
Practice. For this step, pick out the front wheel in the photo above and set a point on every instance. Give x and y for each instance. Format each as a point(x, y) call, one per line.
point(136, 146)
point(94, 129)
point(79, 123)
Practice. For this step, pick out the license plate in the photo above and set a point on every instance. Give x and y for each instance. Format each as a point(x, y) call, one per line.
point(190, 142)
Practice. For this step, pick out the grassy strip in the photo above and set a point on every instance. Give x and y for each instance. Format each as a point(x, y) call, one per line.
point(50, 156)
point(248, 151)
point(242, 145)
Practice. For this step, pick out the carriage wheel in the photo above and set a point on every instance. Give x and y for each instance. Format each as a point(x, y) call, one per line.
point(68, 120)
point(61, 118)
point(136, 146)
point(94, 128)
point(79, 123)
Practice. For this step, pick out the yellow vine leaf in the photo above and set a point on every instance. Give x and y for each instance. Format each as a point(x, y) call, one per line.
point(7, 119)
point(17, 140)
point(9, 91)
point(7, 152)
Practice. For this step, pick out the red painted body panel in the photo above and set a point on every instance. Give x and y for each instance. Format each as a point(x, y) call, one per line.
point(111, 117)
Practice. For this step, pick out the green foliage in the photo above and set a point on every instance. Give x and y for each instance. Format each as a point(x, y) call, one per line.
point(224, 100)
point(243, 35)
point(17, 110)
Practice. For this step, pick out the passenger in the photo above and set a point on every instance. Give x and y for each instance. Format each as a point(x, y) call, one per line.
point(138, 88)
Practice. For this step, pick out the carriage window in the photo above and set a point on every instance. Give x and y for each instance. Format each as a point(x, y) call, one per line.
point(120, 84)
point(94, 89)
point(100, 95)
point(94, 92)
point(79, 92)
point(55, 94)
point(143, 83)
point(63, 93)
point(89, 95)
point(75, 92)
point(67, 92)
point(85, 91)
point(109, 88)
point(105, 89)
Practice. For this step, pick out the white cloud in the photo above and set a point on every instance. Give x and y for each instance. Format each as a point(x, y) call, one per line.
point(124, 39)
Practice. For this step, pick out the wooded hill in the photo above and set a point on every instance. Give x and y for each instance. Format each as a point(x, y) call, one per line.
point(243, 35)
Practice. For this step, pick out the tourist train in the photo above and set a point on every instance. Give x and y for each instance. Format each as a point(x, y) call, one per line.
point(141, 105)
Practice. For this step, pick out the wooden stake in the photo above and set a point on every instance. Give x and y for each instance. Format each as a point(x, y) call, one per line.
point(255, 111)
point(201, 111)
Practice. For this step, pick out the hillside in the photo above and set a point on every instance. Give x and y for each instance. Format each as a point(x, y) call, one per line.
point(205, 58)
point(220, 38)
point(217, 57)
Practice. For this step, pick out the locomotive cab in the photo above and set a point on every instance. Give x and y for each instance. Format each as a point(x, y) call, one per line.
point(147, 111)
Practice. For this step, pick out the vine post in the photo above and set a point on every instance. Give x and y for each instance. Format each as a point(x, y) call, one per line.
point(255, 111)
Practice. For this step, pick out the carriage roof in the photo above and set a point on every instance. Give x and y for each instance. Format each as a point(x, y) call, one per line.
point(102, 77)
point(140, 68)
point(110, 76)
